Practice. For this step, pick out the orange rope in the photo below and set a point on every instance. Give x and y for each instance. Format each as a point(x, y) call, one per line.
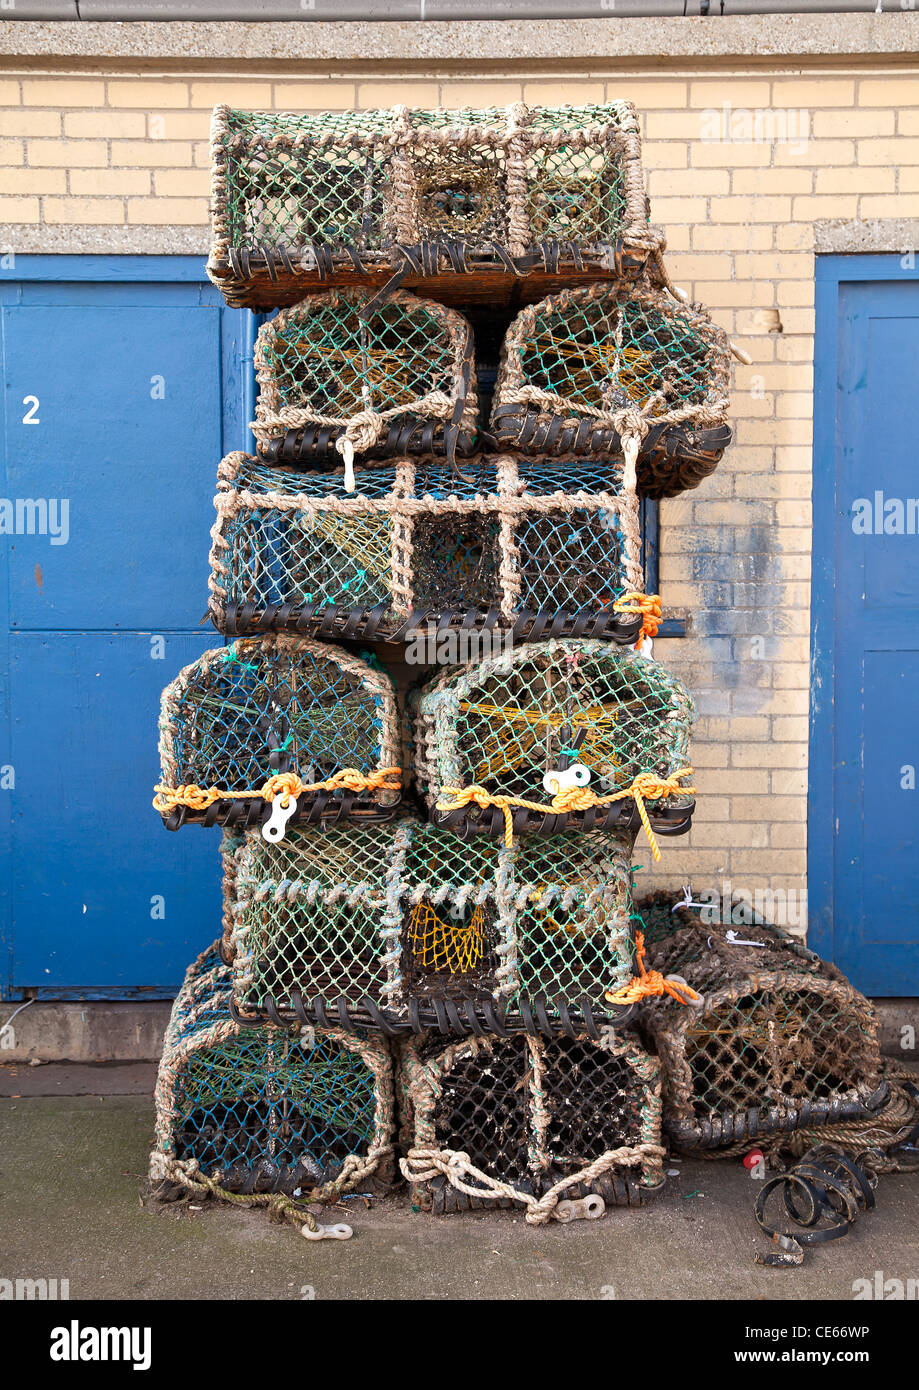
point(645, 786)
point(648, 983)
point(649, 605)
point(283, 785)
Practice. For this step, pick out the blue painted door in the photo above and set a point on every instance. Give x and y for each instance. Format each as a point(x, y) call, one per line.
point(864, 820)
point(121, 391)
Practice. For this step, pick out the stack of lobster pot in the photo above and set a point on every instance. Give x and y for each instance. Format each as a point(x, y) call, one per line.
point(478, 371)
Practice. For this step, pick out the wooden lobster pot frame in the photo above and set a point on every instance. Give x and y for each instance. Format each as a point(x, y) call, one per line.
point(333, 377)
point(783, 1041)
point(403, 927)
point(474, 205)
point(533, 549)
point(527, 1121)
point(266, 1109)
point(504, 724)
point(241, 715)
point(588, 367)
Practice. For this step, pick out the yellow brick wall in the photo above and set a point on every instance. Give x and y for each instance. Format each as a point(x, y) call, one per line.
point(132, 151)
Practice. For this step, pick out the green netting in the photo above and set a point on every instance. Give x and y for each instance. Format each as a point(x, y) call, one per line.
point(529, 1121)
point(586, 367)
point(330, 375)
point(275, 707)
point(266, 1109)
point(400, 912)
point(516, 723)
point(372, 179)
point(519, 536)
point(782, 1039)
point(658, 915)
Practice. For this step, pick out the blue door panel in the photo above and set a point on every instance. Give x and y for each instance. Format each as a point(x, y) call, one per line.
point(863, 824)
point(91, 859)
point(129, 429)
point(101, 900)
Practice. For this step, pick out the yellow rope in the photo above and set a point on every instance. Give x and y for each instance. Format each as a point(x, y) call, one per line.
point(282, 784)
point(645, 786)
point(648, 983)
point(648, 605)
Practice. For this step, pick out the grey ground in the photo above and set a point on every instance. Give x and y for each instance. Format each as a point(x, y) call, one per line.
point(72, 1168)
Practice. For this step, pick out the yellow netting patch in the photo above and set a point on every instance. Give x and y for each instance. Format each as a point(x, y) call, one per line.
point(453, 947)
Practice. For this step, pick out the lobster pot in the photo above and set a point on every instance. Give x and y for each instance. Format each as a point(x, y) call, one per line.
point(266, 1109)
point(470, 200)
point(508, 545)
point(525, 1121)
point(783, 1040)
point(335, 377)
point(404, 927)
point(586, 367)
point(266, 718)
point(550, 715)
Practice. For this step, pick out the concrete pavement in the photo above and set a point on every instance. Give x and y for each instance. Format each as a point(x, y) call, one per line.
point(72, 1169)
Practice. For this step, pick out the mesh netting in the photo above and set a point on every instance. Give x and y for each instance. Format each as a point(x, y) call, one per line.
point(400, 379)
point(275, 717)
point(530, 1121)
point(783, 1040)
point(512, 543)
point(586, 369)
point(547, 718)
point(266, 1109)
point(358, 924)
point(297, 198)
point(660, 914)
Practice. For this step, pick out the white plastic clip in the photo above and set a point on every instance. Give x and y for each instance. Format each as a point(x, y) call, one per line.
point(631, 447)
point(337, 1232)
point(275, 826)
point(347, 453)
point(586, 1209)
point(734, 940)
point(555, 780)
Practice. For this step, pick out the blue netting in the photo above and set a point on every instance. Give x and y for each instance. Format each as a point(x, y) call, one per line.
point(265, 1109)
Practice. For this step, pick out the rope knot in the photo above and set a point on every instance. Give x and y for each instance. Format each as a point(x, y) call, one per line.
point(362, 431)
point(574, 799)
point(648, 605)
point(283, 785)
point(649, 984)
